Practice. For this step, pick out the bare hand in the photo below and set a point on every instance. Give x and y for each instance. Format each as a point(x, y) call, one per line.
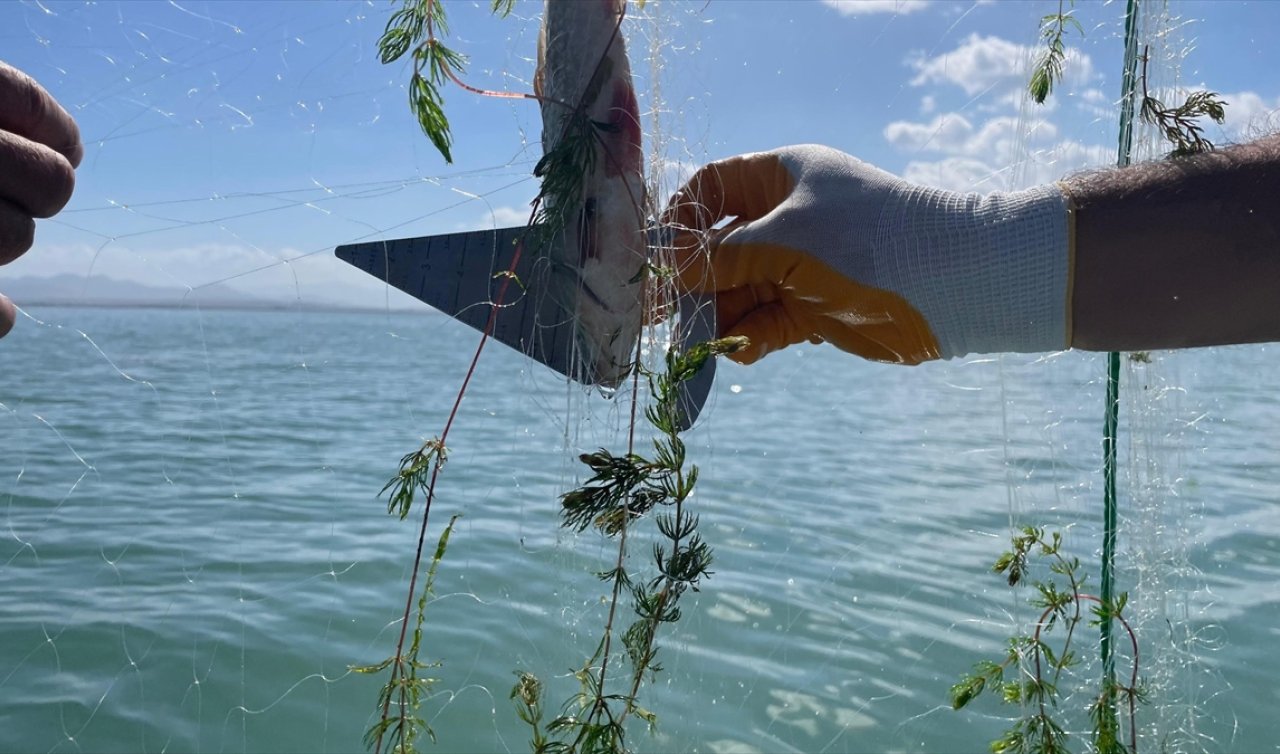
point(39, 150)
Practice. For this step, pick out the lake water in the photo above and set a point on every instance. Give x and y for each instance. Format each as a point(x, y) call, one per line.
point(192, 551)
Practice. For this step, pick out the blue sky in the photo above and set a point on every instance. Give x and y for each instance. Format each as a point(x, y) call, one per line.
point(239, 142)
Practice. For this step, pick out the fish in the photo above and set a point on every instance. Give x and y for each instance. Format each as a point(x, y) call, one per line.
point(599, 262)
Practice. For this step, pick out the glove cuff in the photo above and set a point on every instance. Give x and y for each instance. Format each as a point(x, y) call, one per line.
point(989, 273)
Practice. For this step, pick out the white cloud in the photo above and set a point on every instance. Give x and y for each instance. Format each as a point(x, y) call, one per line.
point(995, 142)
point(1095, 96)
point(945, 133)
point(953, 134)
point(503, 217)
point(868, 7)
point(1003, 152)
point(1004, 170)
point(977, 64)
point(982, 63)
point(673, 173)
point(1094, 102)
point(1066, 157)
point(1000, 135)
point(954, 173)
point(191, 266)
point(1249, 115)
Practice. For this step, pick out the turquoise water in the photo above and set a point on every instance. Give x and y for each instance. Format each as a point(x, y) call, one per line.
point(192, 552)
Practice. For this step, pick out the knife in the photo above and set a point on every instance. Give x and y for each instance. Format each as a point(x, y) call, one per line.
point(462, 275)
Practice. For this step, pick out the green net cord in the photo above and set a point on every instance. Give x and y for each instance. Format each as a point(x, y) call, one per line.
point(1112, 414)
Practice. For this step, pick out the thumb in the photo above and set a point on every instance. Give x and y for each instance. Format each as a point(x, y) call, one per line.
point(7, 315)
point(769, 323)
point(746, 187)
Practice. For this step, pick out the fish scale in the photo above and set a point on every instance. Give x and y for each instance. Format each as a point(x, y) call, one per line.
point(583, 71)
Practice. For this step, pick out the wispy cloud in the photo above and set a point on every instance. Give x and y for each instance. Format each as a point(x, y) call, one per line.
point(982, 63)
point(945, 133)
point(869, 7)
point(1249, 115)
point(991, 145)
point(999, 152)
point(954, 134)
point(1010, 169)
point(504, 217)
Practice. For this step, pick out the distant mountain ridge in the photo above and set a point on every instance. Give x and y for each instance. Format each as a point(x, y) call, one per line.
point(75, 290)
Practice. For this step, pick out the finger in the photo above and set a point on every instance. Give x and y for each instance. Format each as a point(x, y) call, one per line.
point(17, 232)
point(692, 255)
point(27, 110)
point(892, 342)
point(735, 305)
point(34, 177)
point(747, 187)
point(768, 328)
point(732, 264)
point(7, 315)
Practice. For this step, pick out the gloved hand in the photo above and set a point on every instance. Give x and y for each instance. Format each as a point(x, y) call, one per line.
point(824, 247)
point(39, 150)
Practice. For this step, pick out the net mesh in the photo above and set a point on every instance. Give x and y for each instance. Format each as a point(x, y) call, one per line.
point(193, 554)
point(1157, 526)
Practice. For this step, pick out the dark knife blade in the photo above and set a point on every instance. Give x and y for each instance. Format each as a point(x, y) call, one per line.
point(462, 274)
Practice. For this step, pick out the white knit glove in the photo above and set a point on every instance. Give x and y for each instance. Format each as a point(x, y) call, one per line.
point(824, 247)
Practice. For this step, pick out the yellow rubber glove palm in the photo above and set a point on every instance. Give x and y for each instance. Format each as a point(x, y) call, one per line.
point(822, 247)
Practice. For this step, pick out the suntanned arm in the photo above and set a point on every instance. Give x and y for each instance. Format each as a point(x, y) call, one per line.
point(1179, 253)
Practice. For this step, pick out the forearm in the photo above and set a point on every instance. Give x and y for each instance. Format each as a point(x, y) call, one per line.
point(1179, 253)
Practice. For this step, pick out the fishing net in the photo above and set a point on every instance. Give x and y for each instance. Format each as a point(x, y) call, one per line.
point(194, 550)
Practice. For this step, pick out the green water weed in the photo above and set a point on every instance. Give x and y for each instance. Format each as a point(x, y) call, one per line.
point(414, 29)
point(621, 489)
point(400, 699)
point(415, 473)
point(1038, 666)
point(1051, 64)
point(1180, 125)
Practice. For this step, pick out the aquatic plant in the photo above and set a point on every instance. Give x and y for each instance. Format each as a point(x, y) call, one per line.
point(412, 28)
point(1050, 65)
point(1039, 731)
point(1180, 125)
point(405, 689)
point(415, 28)
point(622, 489)
point(1037, 667)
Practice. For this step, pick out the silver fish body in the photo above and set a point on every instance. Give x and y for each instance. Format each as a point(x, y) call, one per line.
point(600, 260)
